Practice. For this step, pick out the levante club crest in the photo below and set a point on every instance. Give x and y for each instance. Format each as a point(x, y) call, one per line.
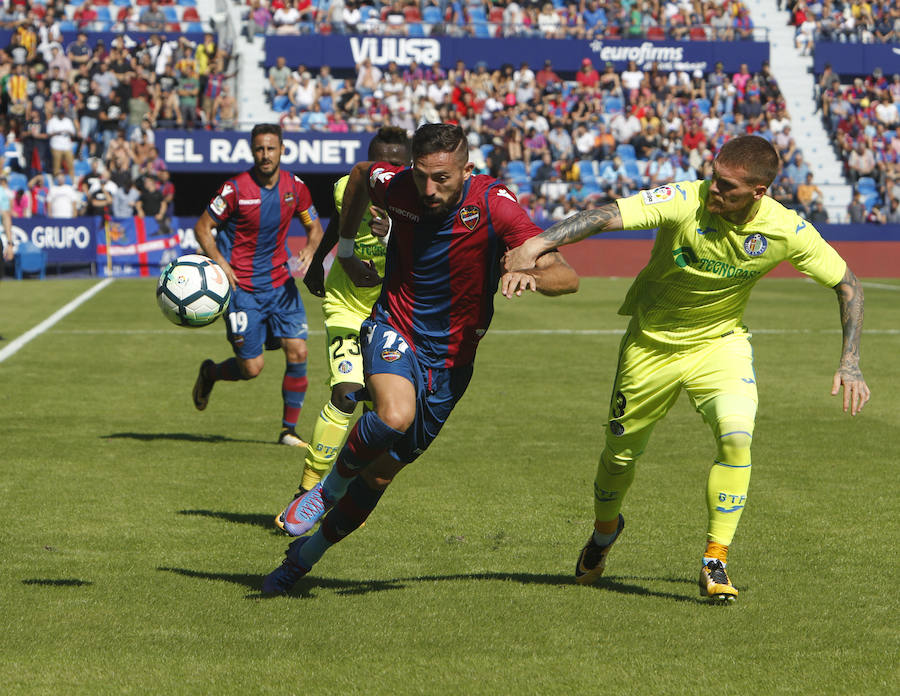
point(470, 215)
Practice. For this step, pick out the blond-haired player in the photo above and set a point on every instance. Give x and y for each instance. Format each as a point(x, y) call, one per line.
point(345, 307)
point(715, 239)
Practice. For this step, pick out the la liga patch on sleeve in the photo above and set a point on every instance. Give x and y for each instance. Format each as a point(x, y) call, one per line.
point(660, 194)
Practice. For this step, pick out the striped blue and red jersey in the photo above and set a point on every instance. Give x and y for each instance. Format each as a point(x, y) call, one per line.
point(441, 275)
point(252, 223)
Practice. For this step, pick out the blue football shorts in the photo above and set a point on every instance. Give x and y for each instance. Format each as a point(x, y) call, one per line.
point(252, 316)
point(438, 389)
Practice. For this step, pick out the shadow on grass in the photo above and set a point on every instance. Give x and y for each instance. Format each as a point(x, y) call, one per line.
point(257, 520)
point(181, 437)
point(306, 585)
point(57, 582)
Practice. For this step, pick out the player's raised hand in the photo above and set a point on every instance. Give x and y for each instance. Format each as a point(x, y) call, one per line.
point(515, 282)
point(856, 391)
point(361, 273)
point(380, 224)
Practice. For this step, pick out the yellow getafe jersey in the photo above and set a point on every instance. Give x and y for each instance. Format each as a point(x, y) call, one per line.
point(339, 289)
point(702, 267)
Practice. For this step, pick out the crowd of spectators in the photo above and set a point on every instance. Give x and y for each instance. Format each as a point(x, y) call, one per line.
point(104, 16)
point(73, 114)
point(681, 20)
point(863, 116)
point(563, 144)
point(843, 21)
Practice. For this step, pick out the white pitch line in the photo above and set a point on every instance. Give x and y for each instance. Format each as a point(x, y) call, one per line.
point(36, 331)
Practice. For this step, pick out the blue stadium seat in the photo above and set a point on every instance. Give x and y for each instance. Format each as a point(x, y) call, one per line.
point(432, 15)
point(81, 168)
point(586, 170)
point(866, 184)
point(516, 169)
point(633, 171)
point(626, 152)
point(613, 105)
point(30, 259)
point(17, 181)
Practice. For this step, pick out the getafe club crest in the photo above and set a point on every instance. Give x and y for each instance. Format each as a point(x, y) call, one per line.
point(755, 244)
point(470, 215)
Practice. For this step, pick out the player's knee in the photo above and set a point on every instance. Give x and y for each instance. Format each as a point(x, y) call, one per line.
point(340, 396)
point(398, 416)
point(251, 368)
point(734, 438)
point(616, 464)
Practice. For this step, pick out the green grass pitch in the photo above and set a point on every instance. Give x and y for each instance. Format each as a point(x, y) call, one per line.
point(135, 531)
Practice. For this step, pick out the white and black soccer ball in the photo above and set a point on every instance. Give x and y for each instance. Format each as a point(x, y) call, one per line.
point(193, 291)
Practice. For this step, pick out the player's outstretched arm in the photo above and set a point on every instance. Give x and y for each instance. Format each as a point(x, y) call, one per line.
point(850, 300)
point(203, 232)
point(353, 207)
point(606, 218)
point(551, 275)
point(314, 278)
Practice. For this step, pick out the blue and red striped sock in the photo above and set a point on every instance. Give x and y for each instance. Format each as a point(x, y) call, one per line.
point(346, 517)
point(370, 438)
point(293, 391)
point(227, 371)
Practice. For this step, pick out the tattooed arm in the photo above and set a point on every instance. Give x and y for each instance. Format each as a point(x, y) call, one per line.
point(573, 229)
point(850, 300)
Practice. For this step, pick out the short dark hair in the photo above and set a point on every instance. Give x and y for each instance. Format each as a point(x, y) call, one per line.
point(439, 137)
point(388, 135)
point(266, 129)
point(755, 155)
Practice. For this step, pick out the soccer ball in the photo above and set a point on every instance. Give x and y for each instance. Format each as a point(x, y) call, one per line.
point(193, 291)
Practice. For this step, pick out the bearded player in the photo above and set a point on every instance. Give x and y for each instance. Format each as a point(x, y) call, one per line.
point(252, 213)
point(450, 230)
point(345, 307)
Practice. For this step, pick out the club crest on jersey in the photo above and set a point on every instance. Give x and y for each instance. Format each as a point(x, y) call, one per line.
point(470, 215)
point(345, 367)
point(755, 244)
point(660, 194)
point(390, 355)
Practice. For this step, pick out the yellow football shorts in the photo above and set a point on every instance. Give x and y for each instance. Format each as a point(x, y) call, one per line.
point(345, 363)
point(718, 378)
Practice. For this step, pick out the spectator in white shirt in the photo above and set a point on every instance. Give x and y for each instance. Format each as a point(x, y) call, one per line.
point(61, 130)
point(63, 200)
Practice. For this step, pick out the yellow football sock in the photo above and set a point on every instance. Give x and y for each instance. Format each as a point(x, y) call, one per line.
point(327, 439)
point(614, 476)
